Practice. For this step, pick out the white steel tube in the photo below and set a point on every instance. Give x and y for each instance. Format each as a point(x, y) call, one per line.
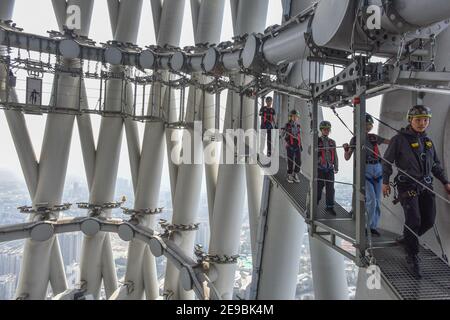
point(16, 120)
point(189, 180)
point(227, 216)
point(52, 171)
point(141, 265)
point(283, 241)
point(97, 264)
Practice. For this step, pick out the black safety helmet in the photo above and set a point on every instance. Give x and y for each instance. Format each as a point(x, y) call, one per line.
point(369, 119)
point(419, 111)
point(325, 125)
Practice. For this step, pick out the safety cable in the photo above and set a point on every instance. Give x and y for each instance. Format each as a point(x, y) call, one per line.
point(342, 121)
point(392, 164)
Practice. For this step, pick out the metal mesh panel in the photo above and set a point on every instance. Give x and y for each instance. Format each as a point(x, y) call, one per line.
point(435, 282)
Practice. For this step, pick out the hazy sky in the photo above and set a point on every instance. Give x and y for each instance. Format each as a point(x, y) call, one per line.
point(37, 17)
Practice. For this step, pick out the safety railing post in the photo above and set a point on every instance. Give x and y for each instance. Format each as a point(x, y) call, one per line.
point(360, 178)
point(314, 162)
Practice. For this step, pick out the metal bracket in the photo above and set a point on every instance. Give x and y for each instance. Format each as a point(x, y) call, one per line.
point(44, 209)
point(96, 209)
point(169, 227)
point(218, 259)
point(136, 214)
point(146, 211)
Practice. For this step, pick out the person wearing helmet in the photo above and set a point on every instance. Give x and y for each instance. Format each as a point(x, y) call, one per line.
point(292, 135)
point(328, 166)
point(374, 173)
point(413, 152)
point(267, 114)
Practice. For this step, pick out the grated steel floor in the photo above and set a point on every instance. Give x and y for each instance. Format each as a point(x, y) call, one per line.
point(435, 282)
point(298, 194)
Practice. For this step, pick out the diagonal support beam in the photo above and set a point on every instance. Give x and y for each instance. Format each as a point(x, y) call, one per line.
point(97, 262)
point(113, 8)
point(156, 12)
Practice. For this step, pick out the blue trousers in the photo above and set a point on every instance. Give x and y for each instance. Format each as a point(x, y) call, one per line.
point(374, 174)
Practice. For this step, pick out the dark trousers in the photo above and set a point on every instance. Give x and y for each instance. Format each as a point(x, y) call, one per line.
point(294, 159)
point(420, 214)
point(329, 186)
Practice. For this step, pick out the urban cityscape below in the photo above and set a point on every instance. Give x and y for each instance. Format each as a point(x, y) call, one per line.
point(13, 193)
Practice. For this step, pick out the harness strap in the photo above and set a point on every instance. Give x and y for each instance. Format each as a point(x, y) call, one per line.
point(405, 195)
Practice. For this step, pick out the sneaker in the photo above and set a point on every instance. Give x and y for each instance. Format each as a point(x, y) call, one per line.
point(296, 178)
point(290, 179)
point(412, 263)
point(331, 211)
point(375, 232)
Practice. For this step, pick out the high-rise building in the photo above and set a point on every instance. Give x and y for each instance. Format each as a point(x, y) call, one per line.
point(73, 275)
point(10, 260)
point(7, 286)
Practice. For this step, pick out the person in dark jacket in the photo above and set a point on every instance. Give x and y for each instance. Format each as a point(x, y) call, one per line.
point(267, 114)
point(373, 174)
point(292, 134)
point(328, 166)
point(413, 152)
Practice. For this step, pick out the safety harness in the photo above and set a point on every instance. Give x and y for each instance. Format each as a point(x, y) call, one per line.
point(425, 159)
point(291, 136)
point(267, 114)
point(374, 141)
point(331, 145)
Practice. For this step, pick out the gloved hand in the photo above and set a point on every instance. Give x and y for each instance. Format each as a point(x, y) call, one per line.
point(386, 190)
point(447, 188)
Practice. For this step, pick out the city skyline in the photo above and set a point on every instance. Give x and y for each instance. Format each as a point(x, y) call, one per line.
point(70, 243)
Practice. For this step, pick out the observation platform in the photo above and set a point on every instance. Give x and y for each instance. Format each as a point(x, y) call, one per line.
point(389, 256)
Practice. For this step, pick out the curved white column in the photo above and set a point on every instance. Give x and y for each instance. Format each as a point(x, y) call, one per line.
point(97, 263)
point(227, 216)
point(46, 181)
point(207, 19)
point(141, 265)
point(281, 253)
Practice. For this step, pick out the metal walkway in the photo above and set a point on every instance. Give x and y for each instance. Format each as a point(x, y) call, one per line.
point(390, 258)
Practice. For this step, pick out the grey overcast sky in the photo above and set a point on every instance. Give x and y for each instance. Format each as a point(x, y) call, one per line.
point(37, 17)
